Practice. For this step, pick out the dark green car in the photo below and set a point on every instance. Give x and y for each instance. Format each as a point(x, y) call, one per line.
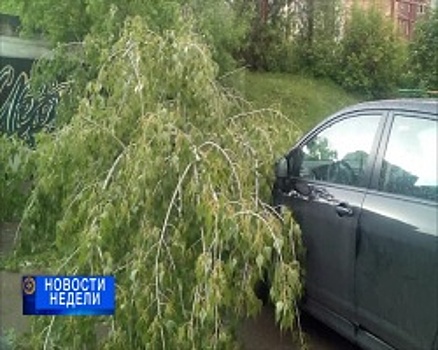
point(363, 186)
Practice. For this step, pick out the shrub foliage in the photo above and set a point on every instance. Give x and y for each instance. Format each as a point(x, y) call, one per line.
point(371, 55)
point(423, 52)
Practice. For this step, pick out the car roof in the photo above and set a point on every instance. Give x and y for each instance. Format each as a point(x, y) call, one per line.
point(425, 105)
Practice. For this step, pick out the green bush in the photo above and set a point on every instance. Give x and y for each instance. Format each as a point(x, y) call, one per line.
point(269, 44)
point(71, 21)
point(320, 59)
point(371, 57)
point(224, 28)
point(9, 7)
point(219, 22)
point(317, 42)
point(423, 53)
point(268, 51)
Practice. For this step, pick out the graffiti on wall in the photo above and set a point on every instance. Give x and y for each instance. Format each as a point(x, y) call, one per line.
point(23, 112)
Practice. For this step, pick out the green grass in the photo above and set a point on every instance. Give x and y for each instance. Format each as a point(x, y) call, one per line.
point(305, 100)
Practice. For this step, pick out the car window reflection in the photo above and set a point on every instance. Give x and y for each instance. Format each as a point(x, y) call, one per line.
point(339, 153)
point(410, 164)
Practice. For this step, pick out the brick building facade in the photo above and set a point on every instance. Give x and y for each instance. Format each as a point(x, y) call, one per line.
point(404, 13)
point(407, 12)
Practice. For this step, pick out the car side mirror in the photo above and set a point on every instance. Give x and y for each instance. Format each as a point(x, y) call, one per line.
point(282, 167)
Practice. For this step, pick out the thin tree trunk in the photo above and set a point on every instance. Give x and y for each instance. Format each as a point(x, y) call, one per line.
point(310, 20)
point(264, 10)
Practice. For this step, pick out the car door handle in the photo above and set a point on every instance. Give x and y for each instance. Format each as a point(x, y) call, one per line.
point(343, 209)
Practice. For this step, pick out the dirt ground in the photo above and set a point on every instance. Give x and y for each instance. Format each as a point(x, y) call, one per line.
point(260, 333)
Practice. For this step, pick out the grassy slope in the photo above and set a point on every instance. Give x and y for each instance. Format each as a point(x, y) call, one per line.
point(305, 100)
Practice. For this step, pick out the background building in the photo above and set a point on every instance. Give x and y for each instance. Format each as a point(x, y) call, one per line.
point(404, 13)
point(407, 12)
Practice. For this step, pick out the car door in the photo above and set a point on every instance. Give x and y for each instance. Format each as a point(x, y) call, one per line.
point(397, 255)
point(330, 172)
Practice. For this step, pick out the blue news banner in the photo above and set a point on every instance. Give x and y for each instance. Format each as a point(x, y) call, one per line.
point(68, 295)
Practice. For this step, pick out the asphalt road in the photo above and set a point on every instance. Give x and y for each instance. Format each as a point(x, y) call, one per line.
point(262, 333)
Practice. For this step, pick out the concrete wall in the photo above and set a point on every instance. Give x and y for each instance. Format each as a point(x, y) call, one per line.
point(15, 47)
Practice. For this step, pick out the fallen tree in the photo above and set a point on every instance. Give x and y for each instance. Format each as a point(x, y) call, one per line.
point(161, 177)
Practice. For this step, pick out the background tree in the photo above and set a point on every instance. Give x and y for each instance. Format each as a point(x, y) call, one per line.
point(67, 27)
point(269, 45)
point(71, 22)
point(224, 26)
point(423, 52)
point(371, 55)
point(318, 39)
point(10, 7)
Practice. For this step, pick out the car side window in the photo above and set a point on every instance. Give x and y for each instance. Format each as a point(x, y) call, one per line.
point(410, 164)
point(339, 153)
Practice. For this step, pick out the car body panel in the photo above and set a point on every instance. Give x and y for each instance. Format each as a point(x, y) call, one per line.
point(371, 275)
point(398, 238)
point(396, 271)
point(330, 244)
